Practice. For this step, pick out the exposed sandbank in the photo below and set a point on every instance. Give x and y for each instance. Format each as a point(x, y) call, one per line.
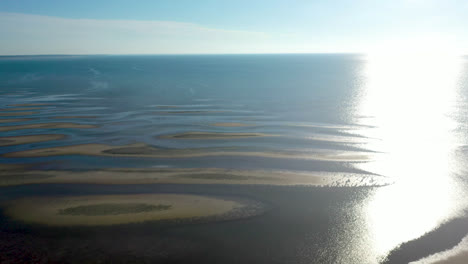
point(45, 126)
point(18, 176)
point(17, 113)
point(15, 120)
point(143, 150)
point(18, 140)
point(212, 135)
point(98, 210)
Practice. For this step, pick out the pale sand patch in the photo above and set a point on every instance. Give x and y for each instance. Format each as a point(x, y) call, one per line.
point(172, 176)
point(98, 210)
point(11, 177)
point(45, 126)
point(142, 150)
point(13, 120)
point(20, 108)
point(213, 135)
point(72, 117)
point(31, 104)
point(18, 113)
point(18, 140)
point(230, 124)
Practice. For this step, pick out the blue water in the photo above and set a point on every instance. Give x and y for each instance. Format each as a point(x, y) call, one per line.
point(408, 115)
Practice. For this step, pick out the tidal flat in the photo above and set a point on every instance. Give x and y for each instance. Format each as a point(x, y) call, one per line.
point(100, 210)
point(147, 151)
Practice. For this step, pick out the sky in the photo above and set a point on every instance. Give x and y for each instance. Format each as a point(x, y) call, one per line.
point(30, 27)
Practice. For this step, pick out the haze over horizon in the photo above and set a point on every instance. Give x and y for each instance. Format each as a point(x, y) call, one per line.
point(212, 27)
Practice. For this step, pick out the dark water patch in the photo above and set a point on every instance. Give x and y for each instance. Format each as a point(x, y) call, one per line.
point(442, 238)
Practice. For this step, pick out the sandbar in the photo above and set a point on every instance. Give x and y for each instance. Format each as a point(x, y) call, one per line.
point(230, 124)
point(20, 108)
point(17, 113)
point(212, 135)
point(72, 117)
point(18, 140)
point(143, 150)
point(99, 210)
point(45, 126)
point(19, 176)
point(14, 120)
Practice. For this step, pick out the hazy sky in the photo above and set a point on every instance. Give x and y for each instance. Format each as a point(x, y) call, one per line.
point(241, 26)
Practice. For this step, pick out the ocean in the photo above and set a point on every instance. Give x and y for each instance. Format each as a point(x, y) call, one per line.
point(334, 158)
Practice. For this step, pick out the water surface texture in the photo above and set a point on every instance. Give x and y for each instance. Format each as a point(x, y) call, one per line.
point(343, 158)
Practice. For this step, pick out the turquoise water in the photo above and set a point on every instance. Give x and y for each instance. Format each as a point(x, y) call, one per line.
point(407, 116)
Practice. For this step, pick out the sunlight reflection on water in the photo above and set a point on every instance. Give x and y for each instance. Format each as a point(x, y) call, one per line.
point(411, 102)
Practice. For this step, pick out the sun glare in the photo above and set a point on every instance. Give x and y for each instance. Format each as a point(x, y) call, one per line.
point(408, 101)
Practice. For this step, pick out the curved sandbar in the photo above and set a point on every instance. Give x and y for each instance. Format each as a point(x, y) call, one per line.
point(212, 135)
point(18, 140)
point(15, 120)
point(230, 124)
point(18, 176)
point(98, 210)
point(143, 150)
point(18, 113)
point(45, 126)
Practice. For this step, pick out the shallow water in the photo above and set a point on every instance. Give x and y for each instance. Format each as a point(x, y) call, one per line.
point(407, 115)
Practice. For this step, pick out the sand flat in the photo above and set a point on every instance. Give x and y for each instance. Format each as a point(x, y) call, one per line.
point(18, 140)
point(20, 108)
point(45, 126)
point(98, 210)
point(15, 120)
point(212, 135)
point(17, 113)
point(20, 176)
point(143, 150)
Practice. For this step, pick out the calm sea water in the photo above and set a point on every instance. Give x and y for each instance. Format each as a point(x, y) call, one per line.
point(408, 115)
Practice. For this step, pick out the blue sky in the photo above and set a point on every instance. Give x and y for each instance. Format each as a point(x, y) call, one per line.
point(209, 26)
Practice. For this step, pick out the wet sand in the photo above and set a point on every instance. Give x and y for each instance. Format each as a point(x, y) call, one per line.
point(98, 210)
point(213, 135)
point(18, 113)
point(14, 120)
point(143, 150)
point(16, 176)
point(18, 140)
point(45, 126)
